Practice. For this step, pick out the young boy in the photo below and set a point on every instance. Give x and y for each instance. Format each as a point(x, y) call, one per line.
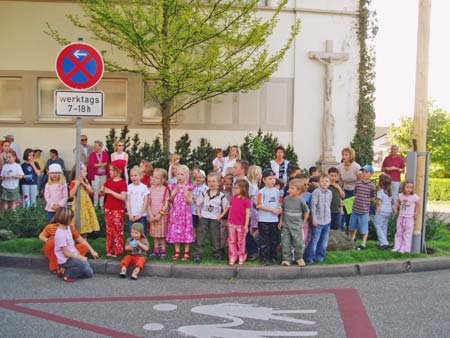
point(218, 161)
point(200, 188)
point(212, 206)
point(364, 193)
point(338, 195)
point(294, 218)
point(268, 204)
point(314, 174)
point(138, 246)
point(321, 219)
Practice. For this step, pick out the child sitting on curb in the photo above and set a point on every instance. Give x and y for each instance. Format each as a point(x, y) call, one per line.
point(138, 246)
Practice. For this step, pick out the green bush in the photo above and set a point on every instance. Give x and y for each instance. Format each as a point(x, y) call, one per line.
point(439, 189)
point(25, 222)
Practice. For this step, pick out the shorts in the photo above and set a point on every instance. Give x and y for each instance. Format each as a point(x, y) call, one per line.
point(11, 194)
point(359, 222)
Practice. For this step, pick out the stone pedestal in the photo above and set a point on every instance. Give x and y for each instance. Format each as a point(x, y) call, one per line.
point(326, 163)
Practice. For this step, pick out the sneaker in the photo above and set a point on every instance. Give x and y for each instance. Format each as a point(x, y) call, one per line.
point(197, 259)
point(123, 272)
point(135, 274)
point(301, 262)
point(285, 263)
point(253, 257)
point(361, 247)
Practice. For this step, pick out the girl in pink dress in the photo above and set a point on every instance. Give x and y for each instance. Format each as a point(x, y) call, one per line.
point(181, 229)
point(158, 206)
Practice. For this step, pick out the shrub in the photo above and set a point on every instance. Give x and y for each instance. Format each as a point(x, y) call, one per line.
point(203, 155)
point(25, 222)
point(439, 189)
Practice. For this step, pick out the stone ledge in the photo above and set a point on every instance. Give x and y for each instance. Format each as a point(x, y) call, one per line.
point(424, 264)
point(386, 267)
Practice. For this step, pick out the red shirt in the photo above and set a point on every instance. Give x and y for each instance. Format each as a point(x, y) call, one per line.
point(396, 161)
point(113, 203)
point(146, 180)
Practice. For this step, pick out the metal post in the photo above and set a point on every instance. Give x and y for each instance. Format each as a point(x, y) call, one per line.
point(77, 172)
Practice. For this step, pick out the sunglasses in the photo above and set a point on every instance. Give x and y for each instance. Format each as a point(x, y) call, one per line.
point(84, 139)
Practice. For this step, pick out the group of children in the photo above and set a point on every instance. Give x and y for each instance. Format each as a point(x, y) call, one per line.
point(244, 209)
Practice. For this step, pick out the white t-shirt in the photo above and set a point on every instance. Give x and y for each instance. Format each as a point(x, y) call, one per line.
point(349, 176)
point(8, 171)
point(227, 163)
point(386, 202)
point(212, 206)
point(136, 194)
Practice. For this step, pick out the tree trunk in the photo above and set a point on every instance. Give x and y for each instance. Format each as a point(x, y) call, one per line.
point(166, 109)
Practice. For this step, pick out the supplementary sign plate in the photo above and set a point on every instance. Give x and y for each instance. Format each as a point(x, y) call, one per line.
point(78, 103)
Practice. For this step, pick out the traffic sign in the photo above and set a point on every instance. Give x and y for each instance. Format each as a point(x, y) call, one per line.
point(79, 66)
point(78, 103)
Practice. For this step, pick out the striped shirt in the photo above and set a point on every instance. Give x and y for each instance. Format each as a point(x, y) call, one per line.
point(364, 193)
point(321, 206)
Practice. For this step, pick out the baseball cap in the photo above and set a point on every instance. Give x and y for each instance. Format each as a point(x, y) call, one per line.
point(367, 168)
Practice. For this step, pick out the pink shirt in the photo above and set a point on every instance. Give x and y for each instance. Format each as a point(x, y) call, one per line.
point(238, 210)
point(64, 238)
point(408, 204)
point(55, 194)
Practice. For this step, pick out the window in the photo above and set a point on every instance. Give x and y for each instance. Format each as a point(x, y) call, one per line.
point(10, 98)
point(151, 111)
point(46, 99)
point(115, 105)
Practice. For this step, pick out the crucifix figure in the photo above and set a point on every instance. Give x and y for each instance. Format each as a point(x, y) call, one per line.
point(329, 59)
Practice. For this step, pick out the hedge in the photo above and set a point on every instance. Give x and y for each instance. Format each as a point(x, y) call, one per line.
point(439, 189)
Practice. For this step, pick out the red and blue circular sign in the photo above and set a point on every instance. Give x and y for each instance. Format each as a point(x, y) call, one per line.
point(79, 66)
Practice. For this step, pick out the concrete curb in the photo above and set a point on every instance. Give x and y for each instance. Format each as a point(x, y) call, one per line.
point(195, 271)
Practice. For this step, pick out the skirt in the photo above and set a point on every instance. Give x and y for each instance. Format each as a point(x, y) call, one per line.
point(11, 194)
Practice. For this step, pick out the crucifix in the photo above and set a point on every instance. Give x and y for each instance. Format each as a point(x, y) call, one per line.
point(329, 59)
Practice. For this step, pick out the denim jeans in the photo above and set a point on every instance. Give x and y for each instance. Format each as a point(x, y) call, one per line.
point(336, 221)
point(29, 194)
point(142, 220)
point(317, 247)
point(76, 268)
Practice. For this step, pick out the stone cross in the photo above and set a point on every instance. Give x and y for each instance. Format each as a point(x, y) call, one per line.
point(329, 59)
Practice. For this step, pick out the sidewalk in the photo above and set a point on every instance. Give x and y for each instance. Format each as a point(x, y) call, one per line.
point(246, 272)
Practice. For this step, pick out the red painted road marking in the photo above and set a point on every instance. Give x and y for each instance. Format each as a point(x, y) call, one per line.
point(353, 313)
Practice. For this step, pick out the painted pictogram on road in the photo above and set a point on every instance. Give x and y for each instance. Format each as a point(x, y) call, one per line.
point(79, 66)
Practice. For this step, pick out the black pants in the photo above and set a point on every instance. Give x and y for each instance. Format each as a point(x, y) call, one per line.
point(269, 240)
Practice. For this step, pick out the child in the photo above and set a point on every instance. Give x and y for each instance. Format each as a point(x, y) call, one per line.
point(407, 207)
point(293, 172)
point(293, 219)
point(158, 207)
point(364, 193)
point(306, 196)
point(138, 246)
point(72, 264)
point(48, 235)
point(31, 170)
point(115, 189)
point(314, 174)
point(254, 178)
point(212, 206)
point(174, 162)
point(55, 192)
point(383, 211)
point(147, 172)
point(199, 189)
point(137, 198)
point(218, 161)
point(230, 160)
point(321, 218)
point(174, 169)
point(227, 189)
point(119, 154)
point(88, 217)
point(238, 220)
point(10, 175)
point(336, 201)
point(268, 204)
point(180, 224)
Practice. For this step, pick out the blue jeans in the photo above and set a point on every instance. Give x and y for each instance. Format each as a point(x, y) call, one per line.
point(29, 194)
point(336, 221)
point(76, 268)
point(142, 220)
point(359, 222)
point(317, 247)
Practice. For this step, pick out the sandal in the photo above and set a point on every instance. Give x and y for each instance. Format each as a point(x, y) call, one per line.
point(163, 255)
point(68, 279)
point(176, 256)
point(155, 253)
point(60, 272)
point(134, 275)
point(186, 256)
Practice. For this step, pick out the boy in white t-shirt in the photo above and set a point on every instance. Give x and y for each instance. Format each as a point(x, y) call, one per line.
point(137, 199)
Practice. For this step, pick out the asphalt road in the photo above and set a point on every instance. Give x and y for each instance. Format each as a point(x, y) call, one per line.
point(37, 304)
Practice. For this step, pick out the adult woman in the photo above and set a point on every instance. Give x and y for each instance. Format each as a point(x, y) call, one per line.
point(31, 170)
point(119, 154)
point(97, 171)
point(349, 171)
point(279, 165)
point(229, 161)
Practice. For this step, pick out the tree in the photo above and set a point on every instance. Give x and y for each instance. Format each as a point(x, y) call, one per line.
point(438, 139)
point(189, 51)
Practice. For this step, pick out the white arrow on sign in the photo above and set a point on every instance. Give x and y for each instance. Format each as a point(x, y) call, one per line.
point(79, 54)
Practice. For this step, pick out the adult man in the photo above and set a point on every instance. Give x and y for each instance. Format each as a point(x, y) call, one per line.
point(13, 145)
point(86, 149)
point(54, 158)
point(394, 165)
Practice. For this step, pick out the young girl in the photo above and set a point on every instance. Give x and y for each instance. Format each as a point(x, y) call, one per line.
point(180, 224)
point(254, 175)
point(72, 264)
point(10, 175)
point(174, 161)
point(158, 206)
point(407, 207)
point(137, 199)
point(383, 211)
point(238, 221)
point(199, 188)
point(218, 161)
point(230, 160)
point(31, 170)
point(115, 189)
point(137, 245)
point(174, 179)
point(147, 172)
point(55, 192)
point(88, 217)
point(119, 154)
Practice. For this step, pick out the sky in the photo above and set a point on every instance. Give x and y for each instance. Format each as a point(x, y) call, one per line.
point(396, 43)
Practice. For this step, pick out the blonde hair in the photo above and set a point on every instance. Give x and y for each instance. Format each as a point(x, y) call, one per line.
point(116, 143)
point(300, 183)
point(173, 157)
point(61, 180)
point(351, 152)
point(253, 172)
point(162, 172)
point(63, 215)
point(137, 170)
point(183, 167)
point(148, 167)
point(238, 156)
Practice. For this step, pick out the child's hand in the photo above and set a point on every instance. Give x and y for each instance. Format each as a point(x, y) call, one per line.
point(280, 226)
point(277, 211)
point(157, 217)
point(94, 254)
point(83, 258)
point(315, 223)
